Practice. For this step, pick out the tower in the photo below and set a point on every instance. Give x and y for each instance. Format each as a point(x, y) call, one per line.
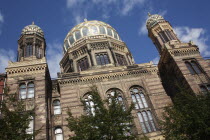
point(29, 77)
point(181, 64)
point(31, 44)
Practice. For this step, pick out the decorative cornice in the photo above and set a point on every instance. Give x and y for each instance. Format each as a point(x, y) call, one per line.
point(27, 67)
point(26, 70)
point(26, 63)
point(109, 76)
point(184, 52)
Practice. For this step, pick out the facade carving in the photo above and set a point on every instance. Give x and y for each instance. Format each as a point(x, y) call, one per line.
point(94, 54)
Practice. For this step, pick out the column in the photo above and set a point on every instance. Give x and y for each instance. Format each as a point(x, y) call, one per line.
point(90, 55)
point(113, 54)
point(34, 43)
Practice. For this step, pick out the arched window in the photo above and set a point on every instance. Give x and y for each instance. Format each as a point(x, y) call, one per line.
point(38, 51)
point(146, 121)
point(143, 110)
point(58, 134)
point(30, 90)
point(112, 92)
point(203, 89)
point(89, 104)
point(138, 98)
point(82, 64)
point(163, 36)
point(193, 67)
point(29, 50)
point(102, 59)
point(22, 91)
point(190, 67)
point(26, 91)
point(196, 67)
point(30, 129)
point(121, 59)
point(56, 107)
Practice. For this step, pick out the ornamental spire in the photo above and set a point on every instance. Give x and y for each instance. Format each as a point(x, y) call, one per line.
point(149, 15)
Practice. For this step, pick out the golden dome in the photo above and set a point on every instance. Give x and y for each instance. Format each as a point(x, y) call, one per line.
point(32, 29)
point(89, 28)
point(153, 20)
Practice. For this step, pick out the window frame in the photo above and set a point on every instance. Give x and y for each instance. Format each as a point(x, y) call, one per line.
point(193, 67)
point(121, 59)
point(56, 107)
point(90, 110)
point(26, 84)
point(101, 60)
point(59, 133)
point(29, 50)
point(204, 88)
point(84, 62)
point(147, 123)
point(30, 130)
point(120, 96)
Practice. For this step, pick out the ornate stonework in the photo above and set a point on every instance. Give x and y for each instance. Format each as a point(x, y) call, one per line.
point(102, 59)
point(32, 29)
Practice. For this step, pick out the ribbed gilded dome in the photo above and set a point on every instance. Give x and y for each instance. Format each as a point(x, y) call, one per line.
point(89, 28)
point(32, 29)
point(153, 20)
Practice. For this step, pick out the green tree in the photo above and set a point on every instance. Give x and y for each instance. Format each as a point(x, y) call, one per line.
point(14, 118)
point(188, 118)
point(105, 120)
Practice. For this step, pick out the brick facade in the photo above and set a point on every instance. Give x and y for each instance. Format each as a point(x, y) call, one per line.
point(118, 71)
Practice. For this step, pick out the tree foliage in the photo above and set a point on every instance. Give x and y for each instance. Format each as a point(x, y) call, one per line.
point(106, 120)
point(188, 118)
point(14, 118)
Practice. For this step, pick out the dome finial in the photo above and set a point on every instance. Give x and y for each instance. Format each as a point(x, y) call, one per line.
point(85, 20)
point(149, 15)
point(32, 22)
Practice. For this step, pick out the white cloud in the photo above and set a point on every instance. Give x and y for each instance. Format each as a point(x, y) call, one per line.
point(143, 28)
point(78, 19)
point(54, 56)
point(128, 5)
point(106, 7)
point(5, 56)
point(197, 35)
point(1, 21)
point(156, 60)
point(1, 18)
point(72, 3)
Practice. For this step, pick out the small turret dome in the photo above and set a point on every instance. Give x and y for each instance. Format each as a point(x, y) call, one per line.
point(153, 20)
point(86, 29)
point(32, 29)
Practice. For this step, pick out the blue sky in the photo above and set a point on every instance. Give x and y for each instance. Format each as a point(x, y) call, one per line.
point(190, 19)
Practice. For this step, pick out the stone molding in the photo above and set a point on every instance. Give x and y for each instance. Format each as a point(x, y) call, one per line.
point(184, 52)
point(27, 70)
point(110, 76)
point(26, 63)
